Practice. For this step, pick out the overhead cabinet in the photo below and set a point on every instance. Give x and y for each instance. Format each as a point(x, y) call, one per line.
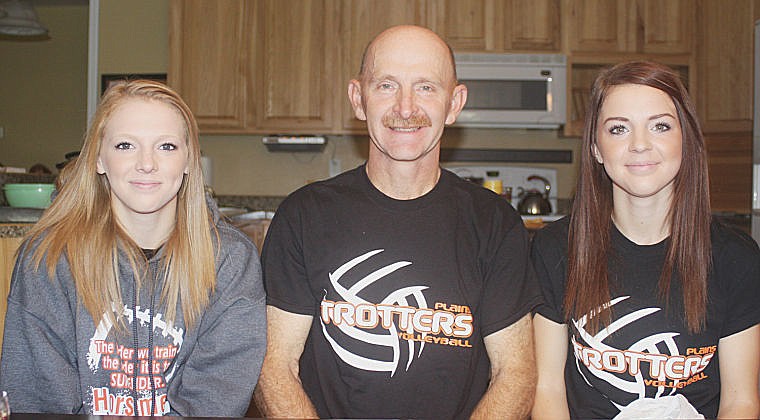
point(360, 21)
point(725, 64)
point(208, 61)
point(260, 66)
point(265, 67)
point(497, 25)
point(531, 25)
point(273, 67)
point(629, 26)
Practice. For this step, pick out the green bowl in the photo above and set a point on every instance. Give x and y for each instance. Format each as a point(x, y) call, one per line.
point(28, 195)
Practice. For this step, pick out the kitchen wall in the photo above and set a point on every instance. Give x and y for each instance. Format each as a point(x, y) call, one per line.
point(242, 165)
point(134, 39)
point(43, 103)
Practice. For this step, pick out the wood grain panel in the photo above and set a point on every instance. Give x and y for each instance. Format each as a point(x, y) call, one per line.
point(730, 166)
point(8, 248)
point(667, 26)
point(597, 25)
point(293, 72)
point(207, 60)
point(532, 25)
point(725, 64)
point(360, 21)
point(465, 25)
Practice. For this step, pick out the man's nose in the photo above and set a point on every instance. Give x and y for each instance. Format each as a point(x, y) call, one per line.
point(405, 104)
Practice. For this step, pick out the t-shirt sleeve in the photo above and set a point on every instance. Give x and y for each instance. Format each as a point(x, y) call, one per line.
point(510, 290)
point(743, 285)
point(549, 262)
point(282, 262)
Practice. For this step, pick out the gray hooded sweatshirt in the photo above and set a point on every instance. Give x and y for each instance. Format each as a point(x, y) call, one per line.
point(55, 359)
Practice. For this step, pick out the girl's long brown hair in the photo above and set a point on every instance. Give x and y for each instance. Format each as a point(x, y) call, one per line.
point(689, 249)
point(81, 225)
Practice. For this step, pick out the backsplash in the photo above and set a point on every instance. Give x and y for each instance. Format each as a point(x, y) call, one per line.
point(251, 202)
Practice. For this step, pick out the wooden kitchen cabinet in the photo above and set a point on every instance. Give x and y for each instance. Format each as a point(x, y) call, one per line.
point(242, 72)
point(8, 248)
point(468, 25)
point(629, 26)
point(531, 25)
point(497, 25)
point(256, 230)
point(584, 68)
point(360, 21)
point(724, 55)
point(665, 27)
point(256, 67)
point(292, 68)
point(208, 60)
point(596, 25)
point(729, 158)
point(601, 33)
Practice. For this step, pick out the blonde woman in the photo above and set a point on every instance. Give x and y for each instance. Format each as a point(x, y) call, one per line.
point(131, 296)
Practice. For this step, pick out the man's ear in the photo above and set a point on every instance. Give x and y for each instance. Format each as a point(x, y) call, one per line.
point(355, 97)
point(597, 154)
point(458, 99)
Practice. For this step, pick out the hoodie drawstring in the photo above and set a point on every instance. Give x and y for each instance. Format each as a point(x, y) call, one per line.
point(150, 351)
point(135, 341)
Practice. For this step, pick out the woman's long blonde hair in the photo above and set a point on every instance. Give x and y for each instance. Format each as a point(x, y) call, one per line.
point(82, 226)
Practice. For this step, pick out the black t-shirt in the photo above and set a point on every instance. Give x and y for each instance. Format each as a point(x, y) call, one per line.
point(648, 351)
point(402, 292)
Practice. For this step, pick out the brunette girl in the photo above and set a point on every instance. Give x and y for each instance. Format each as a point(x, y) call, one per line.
point(651, 306)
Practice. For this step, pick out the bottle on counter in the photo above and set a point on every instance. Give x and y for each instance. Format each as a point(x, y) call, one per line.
point(507, 194)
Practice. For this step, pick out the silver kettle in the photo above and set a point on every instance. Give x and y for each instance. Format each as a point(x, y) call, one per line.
point(535, 202)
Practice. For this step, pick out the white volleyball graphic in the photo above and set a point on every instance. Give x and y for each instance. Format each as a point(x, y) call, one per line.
point(386, 337)
point(629, 382)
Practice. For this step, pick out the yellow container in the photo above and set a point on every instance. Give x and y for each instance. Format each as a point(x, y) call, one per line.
point(494, 185)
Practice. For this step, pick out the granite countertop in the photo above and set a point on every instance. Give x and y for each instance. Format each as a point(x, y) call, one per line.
point(15, 222)
point(14, 230)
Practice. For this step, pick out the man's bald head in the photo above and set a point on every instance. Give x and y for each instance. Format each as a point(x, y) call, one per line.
point(398, 36)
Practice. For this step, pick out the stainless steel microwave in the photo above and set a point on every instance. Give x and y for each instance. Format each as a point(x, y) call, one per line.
point(513, 90)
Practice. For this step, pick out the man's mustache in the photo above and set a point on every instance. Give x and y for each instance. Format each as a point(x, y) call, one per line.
point(396, 121)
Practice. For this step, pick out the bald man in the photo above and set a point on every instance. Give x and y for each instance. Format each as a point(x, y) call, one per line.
point(397, 290)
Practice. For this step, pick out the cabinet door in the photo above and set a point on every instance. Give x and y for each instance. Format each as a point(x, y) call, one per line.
point(294, 50)
point(597, 25)
point(207, 61)
point(8, 248)
point(531, 25)
point(729, 158)
point(667, 26)
point(360, 21)
point(467, 25)
point(725, 64)
point(626, 26)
